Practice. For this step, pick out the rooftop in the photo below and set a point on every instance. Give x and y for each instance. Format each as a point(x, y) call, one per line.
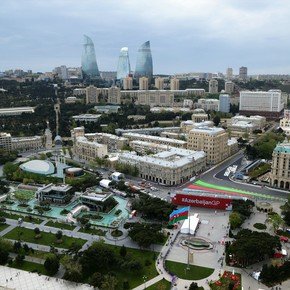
point(283, 148)
point(164, 139)
point(82, 139)
point(208, 130)
point(172, 158)
point(38, 166)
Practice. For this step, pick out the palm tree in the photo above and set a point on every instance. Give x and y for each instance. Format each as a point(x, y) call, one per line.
point(110, 282)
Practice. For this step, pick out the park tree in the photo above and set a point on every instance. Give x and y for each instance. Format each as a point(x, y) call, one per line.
point(109, 282)
point(250, 246)
point(19, 259)
point(51, 264)
point(4, 255)
point(275, 220)
point(2, 220)
point(36, 231)
point(4, 187)
point(98, 257)
point(216, 120)
point(58, 235)
point(235, 220)
point(138, 232)
point(193, 286)
point(73, 269)
point(96, 279)
point(123, 251)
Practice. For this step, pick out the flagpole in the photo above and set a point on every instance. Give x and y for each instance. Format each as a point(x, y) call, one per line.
point(188, 241)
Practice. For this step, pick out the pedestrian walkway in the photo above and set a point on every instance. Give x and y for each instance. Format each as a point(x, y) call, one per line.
point(149, 283)
point(43, 223)
point(7, 230)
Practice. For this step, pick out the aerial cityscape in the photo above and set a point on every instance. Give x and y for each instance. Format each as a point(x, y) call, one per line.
point(144, 145)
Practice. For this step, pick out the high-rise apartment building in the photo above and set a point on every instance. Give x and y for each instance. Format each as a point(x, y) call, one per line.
point(213, 141)
point(174, 84)
point(143, 83)
point(280, 170)
point(243, 73)
point(89, 62)
point(159, 83)
point(229, 87)
point(5, 141)
point(114, 95)
point(62, 72)
point(268, 104)
point(123, 69)
point(128, 83)
point(91, 95)
point(213, 86)
point(144, 64)
point(229, 74)
point(224, 105)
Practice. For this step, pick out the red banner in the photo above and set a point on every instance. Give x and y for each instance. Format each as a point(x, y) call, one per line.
point(202, 201)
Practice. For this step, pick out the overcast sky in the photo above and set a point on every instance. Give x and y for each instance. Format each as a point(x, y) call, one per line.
point(185, 35)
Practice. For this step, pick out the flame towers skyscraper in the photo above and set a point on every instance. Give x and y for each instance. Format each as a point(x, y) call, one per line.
point(89, 63)
point(144, 65)
point(123, 69)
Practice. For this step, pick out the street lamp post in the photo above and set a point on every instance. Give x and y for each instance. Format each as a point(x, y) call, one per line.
point(144, 279)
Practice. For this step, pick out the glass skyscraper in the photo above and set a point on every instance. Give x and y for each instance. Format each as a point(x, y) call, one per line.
point(89, 63)
point(144, 65)
point(123, 69)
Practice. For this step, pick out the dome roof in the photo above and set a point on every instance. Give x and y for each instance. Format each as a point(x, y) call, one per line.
point(38, 166)
point(198, 111)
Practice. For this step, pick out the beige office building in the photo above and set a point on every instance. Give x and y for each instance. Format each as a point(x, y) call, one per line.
point(159, 83)
point(128, 83)
point(213, 141)
point(208, 104)
point(213, 86)
point(155, 98)
point(143, 83)
point(22, 144)
point(280, 171)
point(172, 166)
point(87, 151)
point(114, 143)
point(174, 84)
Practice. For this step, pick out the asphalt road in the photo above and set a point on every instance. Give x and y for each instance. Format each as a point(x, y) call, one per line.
point(216, 176)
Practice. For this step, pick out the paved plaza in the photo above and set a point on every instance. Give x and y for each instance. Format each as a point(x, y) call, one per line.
point(213, 228)
point(11, 278)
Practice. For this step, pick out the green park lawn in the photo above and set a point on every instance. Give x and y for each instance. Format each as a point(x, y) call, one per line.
point(93, 231)
point(63, 226)
point(136, 278)
point(15, 216)
point(162, 284)
point(194, 272)
point(47, 239)
point(3, 227)
point(30, 267)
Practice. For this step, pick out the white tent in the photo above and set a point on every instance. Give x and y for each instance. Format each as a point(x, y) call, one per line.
point(105, 183)
point(194, 221)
